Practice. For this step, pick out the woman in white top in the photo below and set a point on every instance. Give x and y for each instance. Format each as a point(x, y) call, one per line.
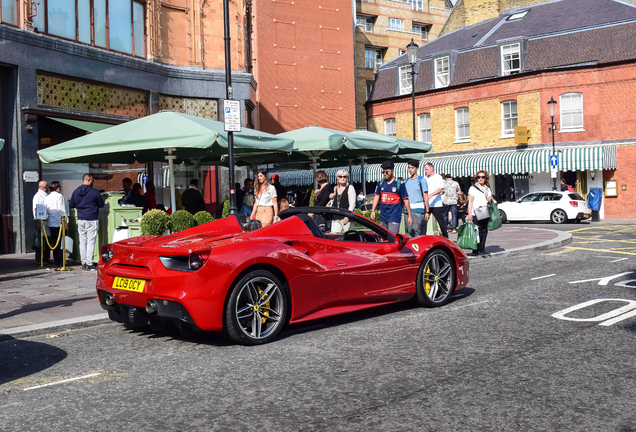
point(56, 208)
point(479, 195)
point(265, 202)
point(344, 197)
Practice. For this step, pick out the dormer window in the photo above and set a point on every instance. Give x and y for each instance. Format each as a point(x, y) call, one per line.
point(442, 72)
point(405, 80)
point(510, 59)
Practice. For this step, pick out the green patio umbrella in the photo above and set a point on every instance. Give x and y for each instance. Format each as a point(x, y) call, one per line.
point(165, 135)
point(405, 145)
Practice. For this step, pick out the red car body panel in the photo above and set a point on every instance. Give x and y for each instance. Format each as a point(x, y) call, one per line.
point(325, 276)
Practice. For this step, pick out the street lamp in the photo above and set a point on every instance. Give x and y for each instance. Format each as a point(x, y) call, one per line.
point(411, 52)
point(552, 106)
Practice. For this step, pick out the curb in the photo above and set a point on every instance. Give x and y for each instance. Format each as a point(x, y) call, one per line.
point(53, 326)
point(561, 239)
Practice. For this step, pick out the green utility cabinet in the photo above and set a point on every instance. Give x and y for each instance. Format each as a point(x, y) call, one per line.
point(111, 216)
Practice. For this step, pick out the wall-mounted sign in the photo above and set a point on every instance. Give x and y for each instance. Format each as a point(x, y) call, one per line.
point(40, 211)
point(522, 134)
point(611, 188)
point(624, 187)
point(31, 176)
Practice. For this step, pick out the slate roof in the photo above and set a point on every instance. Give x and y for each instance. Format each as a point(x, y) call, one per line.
point(557, 33)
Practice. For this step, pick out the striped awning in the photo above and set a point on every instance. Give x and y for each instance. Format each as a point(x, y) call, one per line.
point(527, 161)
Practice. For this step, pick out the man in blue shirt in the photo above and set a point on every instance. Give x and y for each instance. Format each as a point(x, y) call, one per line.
point(390, 196)
point(417, 191)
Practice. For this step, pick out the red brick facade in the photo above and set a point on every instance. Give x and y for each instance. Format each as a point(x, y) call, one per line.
point(304, 65)
point(622, 206)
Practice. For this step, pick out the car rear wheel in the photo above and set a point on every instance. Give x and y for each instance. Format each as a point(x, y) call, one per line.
point(502, 215)
point(256, 310)
point(559, 216)
point(435, 279)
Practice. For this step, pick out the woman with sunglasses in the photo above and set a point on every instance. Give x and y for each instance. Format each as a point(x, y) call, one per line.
point(344, 197)
point(479, 195)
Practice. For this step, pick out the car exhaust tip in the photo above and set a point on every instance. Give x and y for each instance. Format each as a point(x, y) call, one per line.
point(109, 299)
point(151, 307)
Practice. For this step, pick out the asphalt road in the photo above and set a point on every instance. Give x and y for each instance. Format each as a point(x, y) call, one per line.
point(496, 358)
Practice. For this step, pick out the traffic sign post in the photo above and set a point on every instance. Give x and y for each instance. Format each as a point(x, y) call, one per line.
point(554, 160)
point(232, 115)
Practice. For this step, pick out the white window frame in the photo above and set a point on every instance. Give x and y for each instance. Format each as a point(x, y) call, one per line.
point(513, 119)
point(417, 5)
point(462, 124)
point(405, 79)
point(401, 51)
point(424, 128)
point(422, 30)
point(389, 127)
point(366, 23)
point(396, 24)
point(509, 54)
point(442, 77)
point(377, 58)
point(570, 112)
point(369, 88)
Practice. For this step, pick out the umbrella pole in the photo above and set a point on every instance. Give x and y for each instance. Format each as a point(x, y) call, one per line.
point(314, 167)
point(362, 175)
point(170, 158)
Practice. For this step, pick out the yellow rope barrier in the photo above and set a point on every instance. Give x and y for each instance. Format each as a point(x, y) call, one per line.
point(59, 235)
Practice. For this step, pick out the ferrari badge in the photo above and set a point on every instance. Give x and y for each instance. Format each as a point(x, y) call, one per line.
point(416, 247)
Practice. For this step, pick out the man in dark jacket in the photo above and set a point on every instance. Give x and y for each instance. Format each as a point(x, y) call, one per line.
point(87, 200)
point(191, 199)
point(281, 191)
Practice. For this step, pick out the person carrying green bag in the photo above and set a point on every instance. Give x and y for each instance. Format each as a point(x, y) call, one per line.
point(467, 236)
point(495, 218)
point(479, 196)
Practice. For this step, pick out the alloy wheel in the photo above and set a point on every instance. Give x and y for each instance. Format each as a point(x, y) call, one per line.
point(559, 216)
point(259, 308)
point(437, 277)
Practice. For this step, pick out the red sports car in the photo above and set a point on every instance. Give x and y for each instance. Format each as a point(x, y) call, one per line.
point(249, 284)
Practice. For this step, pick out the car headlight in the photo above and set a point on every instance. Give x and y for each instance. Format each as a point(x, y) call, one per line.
point(107, 254)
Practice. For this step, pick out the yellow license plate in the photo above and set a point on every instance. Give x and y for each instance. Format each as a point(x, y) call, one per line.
point(127, 284)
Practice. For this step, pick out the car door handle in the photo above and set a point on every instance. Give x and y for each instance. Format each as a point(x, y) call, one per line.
point(340, 263)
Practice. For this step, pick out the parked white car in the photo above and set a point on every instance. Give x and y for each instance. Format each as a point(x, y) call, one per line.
point(558, 207)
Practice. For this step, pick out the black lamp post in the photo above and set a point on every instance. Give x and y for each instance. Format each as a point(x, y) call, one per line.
point(411, 52)
point(229, 96)
point(552, 106)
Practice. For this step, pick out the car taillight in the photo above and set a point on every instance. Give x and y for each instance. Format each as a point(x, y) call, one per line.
point(107, 254)
point(574, 203)
point(197, 259)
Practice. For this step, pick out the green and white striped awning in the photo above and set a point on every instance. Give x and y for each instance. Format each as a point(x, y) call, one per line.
point(527, 161)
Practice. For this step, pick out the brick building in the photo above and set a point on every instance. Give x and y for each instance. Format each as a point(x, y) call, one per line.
point(70, 67)
point(493, 70)
point(383, 29)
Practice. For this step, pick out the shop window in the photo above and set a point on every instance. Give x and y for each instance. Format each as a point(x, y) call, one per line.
point(442, 72)
point(571, 111)
point(405, 80)
point(462, 124)
point(424, 128)
point(508, 118)
point(9, 12)
point(389, 127)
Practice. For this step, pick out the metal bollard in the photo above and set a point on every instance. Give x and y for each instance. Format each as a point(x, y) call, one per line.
point(63, 227)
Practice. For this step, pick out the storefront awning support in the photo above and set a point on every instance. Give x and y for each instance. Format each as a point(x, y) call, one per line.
point(314, 166)
point(170, 158)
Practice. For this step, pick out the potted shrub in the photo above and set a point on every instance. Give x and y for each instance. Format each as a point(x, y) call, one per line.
point(154, 222)
point(203, 217)
point(181, 220)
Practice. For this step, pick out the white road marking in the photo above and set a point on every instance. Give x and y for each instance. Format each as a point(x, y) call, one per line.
point(472, 304)
point(541, 277)
point(620, 259)
point(599, 256)
point(606, 316)
point(63, 381)
point(603, 281)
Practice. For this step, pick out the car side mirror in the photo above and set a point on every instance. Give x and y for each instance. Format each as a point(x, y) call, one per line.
point(400, 240)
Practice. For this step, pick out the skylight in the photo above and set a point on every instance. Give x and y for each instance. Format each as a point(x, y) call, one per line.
point(518, 15)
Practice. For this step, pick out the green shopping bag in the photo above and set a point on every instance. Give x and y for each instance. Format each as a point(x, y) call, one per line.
point(36, 241)
point(495, 218)
point(467, 236)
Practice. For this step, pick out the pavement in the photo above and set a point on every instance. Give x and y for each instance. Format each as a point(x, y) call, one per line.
point(36, 300)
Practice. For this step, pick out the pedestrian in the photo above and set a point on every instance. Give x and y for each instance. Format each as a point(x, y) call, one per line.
point(56, 208)
point(281, 191)
point(283, 204)
point(39, 198)
point(451, 189)
point(479, 195)
point(435, 201)
point(344, 197)
point(247, 204)
point(240, 193)
point(390, 194)
point(324, 191)
point(191, 199)
point(360, 200)
point(265, 200)
point(137, 199)
point(87, 200)
point(565, 187)
point(151, 199)
point(417, 191)
point(127, 185)
point(462, 207)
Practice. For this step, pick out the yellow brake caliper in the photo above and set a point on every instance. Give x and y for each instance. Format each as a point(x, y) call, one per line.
point(266, 313)
point(427, 283)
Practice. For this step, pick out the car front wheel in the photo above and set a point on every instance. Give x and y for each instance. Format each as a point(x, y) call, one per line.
point(256, 310)
point(502, 215)
point(435, 279)
point(559, 216)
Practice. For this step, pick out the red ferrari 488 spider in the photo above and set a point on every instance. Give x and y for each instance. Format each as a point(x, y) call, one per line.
point(249, 284)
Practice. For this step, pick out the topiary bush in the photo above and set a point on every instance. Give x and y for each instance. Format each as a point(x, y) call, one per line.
point(154, 222)
point(226, 207)
point(203, 217)
point(181, 220)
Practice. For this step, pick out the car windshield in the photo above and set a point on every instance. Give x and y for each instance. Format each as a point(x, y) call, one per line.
point(575, 196)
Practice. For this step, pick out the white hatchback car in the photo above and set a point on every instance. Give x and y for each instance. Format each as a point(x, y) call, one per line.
point(558, 207)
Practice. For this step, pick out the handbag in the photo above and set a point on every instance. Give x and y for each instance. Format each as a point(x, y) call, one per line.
point(481, 213)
